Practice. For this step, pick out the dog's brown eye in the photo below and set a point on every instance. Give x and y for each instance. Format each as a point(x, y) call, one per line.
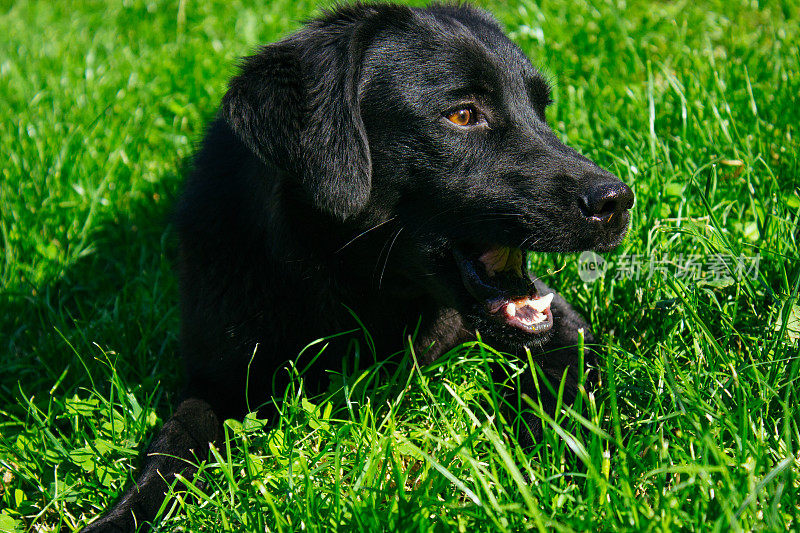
point(466, 116)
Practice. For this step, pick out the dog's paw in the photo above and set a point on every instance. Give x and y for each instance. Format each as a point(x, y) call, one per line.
point(119, 520)
point(105, 525)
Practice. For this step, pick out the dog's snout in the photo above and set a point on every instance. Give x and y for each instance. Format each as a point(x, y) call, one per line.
point(605, 200)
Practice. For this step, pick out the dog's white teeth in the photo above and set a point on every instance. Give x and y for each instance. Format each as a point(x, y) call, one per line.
point(541, 304)
point(511, 309)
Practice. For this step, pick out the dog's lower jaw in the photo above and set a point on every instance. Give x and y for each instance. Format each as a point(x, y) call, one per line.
point(507, 338)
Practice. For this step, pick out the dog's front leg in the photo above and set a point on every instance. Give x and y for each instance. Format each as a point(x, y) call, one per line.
point(559, 359)
point(188, 432)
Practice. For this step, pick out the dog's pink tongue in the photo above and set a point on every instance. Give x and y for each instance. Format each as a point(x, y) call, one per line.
point(529, 311)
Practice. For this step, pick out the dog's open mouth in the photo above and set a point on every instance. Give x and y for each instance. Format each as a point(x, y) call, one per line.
point(498, 277)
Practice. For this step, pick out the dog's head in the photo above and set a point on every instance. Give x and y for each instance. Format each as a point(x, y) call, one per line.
point(434, 120)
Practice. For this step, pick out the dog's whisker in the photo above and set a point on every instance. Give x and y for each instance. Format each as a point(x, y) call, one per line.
point(354, 239)
point(380, 255)
point(386, 261)
point(527, 243)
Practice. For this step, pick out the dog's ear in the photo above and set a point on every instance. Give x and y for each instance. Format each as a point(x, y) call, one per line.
point(296, 105)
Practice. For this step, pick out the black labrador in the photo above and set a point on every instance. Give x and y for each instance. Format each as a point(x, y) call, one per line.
point(387, 160)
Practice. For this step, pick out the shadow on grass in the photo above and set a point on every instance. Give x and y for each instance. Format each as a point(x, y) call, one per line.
point(116, 304)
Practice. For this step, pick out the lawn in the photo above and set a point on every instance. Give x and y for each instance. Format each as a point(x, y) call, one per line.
point(695, 427)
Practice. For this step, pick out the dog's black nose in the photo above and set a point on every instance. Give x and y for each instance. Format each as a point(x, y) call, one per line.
point(605, 200)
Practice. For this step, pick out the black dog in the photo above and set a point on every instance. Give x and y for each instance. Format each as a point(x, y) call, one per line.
point(386, 160)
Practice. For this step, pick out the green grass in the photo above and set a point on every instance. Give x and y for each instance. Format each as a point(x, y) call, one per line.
point(696, 426)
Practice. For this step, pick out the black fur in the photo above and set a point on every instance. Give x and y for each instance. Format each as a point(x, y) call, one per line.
point(332, 179)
